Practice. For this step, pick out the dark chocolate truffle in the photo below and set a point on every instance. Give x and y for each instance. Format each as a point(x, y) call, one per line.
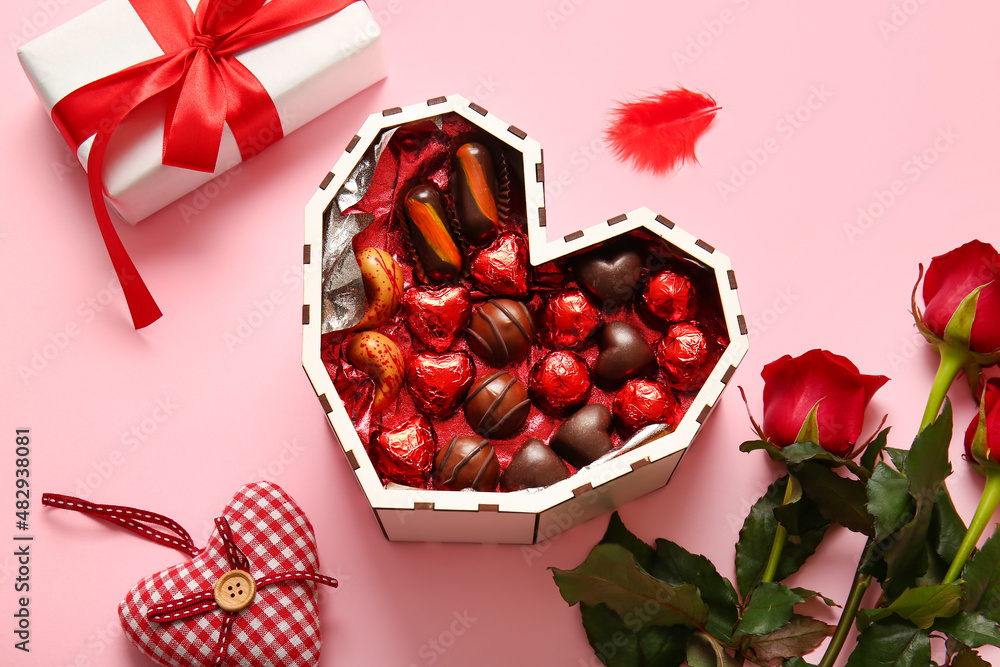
point(611, 273)
point(497, 405)
point(584, 437)
point(468, 462)
point(475, 190)
point(501, 331)
point(534, 465)
point(624, 354)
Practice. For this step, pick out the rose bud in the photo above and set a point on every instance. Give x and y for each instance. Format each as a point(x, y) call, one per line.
point(982, 438)
point(962, 316)
point(793, 386)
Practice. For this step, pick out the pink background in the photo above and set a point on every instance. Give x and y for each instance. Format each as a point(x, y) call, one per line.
point(842, 103)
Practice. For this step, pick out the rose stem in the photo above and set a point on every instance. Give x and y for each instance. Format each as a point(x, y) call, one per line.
point(780, 535)
point(987, 504)
point(952, 360)
point(858, 588)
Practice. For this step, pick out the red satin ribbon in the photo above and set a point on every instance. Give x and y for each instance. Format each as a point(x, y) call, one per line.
point(206, 87)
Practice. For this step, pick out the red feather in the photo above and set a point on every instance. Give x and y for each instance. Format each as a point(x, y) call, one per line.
point(659, 132)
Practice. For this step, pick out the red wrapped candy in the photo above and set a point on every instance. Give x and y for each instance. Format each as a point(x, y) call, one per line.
point(405, 454)
point(670, 297)
point(438, 383)
point(569, 320)
point(643, 402)
point(436, 316)
point(501, 269)
point(560, 382)
point(686, 355)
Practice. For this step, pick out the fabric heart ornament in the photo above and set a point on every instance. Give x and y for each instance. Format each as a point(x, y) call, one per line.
point(247, 599)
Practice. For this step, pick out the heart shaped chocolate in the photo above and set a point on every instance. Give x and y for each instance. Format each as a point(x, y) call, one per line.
point(532, 466)
point(281, 624)
point(611, 273)
point(436, 316)
point(624, 354)
point(584, 437)
point(501, 269)
point(438, 383)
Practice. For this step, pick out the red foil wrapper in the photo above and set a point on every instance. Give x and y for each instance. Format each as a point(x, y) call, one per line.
point(670, 297)
point(643, 402)
point(405, 454)
point(438, 383)
point(437, 316)
point(560, 382)
point(501, 269)
point(569, 320)
point(686, 355)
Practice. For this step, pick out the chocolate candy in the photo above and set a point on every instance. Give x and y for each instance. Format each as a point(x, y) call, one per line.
point(611, 273)
point(569, 320)
point(436, 250)
point(686, 355)
point(560, 382)
point(468, 462)
point(501, 331)
point(534, 465)
point(403, 454)
point(502, 268)
point(624, 354)
point(436, 316)
point(438, 383)
point(585, 436)
point(643, 402)
point(497, 405)
point(475, 190)
point(670, 297)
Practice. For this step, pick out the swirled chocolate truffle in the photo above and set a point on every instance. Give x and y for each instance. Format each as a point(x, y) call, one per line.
point(501, 331)
point(467, 462)
point(497, 405)
point(534, 465)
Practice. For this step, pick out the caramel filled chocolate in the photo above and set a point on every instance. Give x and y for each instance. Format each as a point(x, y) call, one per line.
point(501, 331)
point(475, 193)
point(436, 250)
point(468, 462)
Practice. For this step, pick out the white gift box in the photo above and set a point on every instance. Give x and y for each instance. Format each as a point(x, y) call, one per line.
point(306, 73)
point(529, 516)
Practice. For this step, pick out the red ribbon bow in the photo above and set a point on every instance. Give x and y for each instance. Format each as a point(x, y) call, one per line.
point(207, 88)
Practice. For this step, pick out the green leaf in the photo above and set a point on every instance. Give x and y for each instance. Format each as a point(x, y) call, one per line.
point(958, 331)
point(675, 565)
point(968, 658)
point(947, 527)
point(841, 499)
point(922, 606)
point(619, 646)
point(800, 516)
point(617, 533)
point(982, 579)
point(898, 457)
point(810, 426)
point(611, 576)
point(796, 662)
point(757, 535)
point(800, 452)
point(874, 449)
point(805, 593)
point(891, 642)
point(769, 608)
point(926, 468)
point(796, 638)
point(973, 630)
point(889, 501)
point(704, 651)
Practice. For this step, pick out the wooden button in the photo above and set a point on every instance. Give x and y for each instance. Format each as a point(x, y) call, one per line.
point(235, 590)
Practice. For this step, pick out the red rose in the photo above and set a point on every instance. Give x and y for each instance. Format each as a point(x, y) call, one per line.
point(985, 449)
point(793, 386)
point(953, 276)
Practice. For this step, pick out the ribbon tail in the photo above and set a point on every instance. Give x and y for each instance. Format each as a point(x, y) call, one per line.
point(141, 305)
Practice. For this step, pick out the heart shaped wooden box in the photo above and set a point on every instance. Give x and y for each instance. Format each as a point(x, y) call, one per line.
point(524, 517)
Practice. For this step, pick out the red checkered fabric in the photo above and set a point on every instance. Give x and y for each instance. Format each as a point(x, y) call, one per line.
point(280, 627)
